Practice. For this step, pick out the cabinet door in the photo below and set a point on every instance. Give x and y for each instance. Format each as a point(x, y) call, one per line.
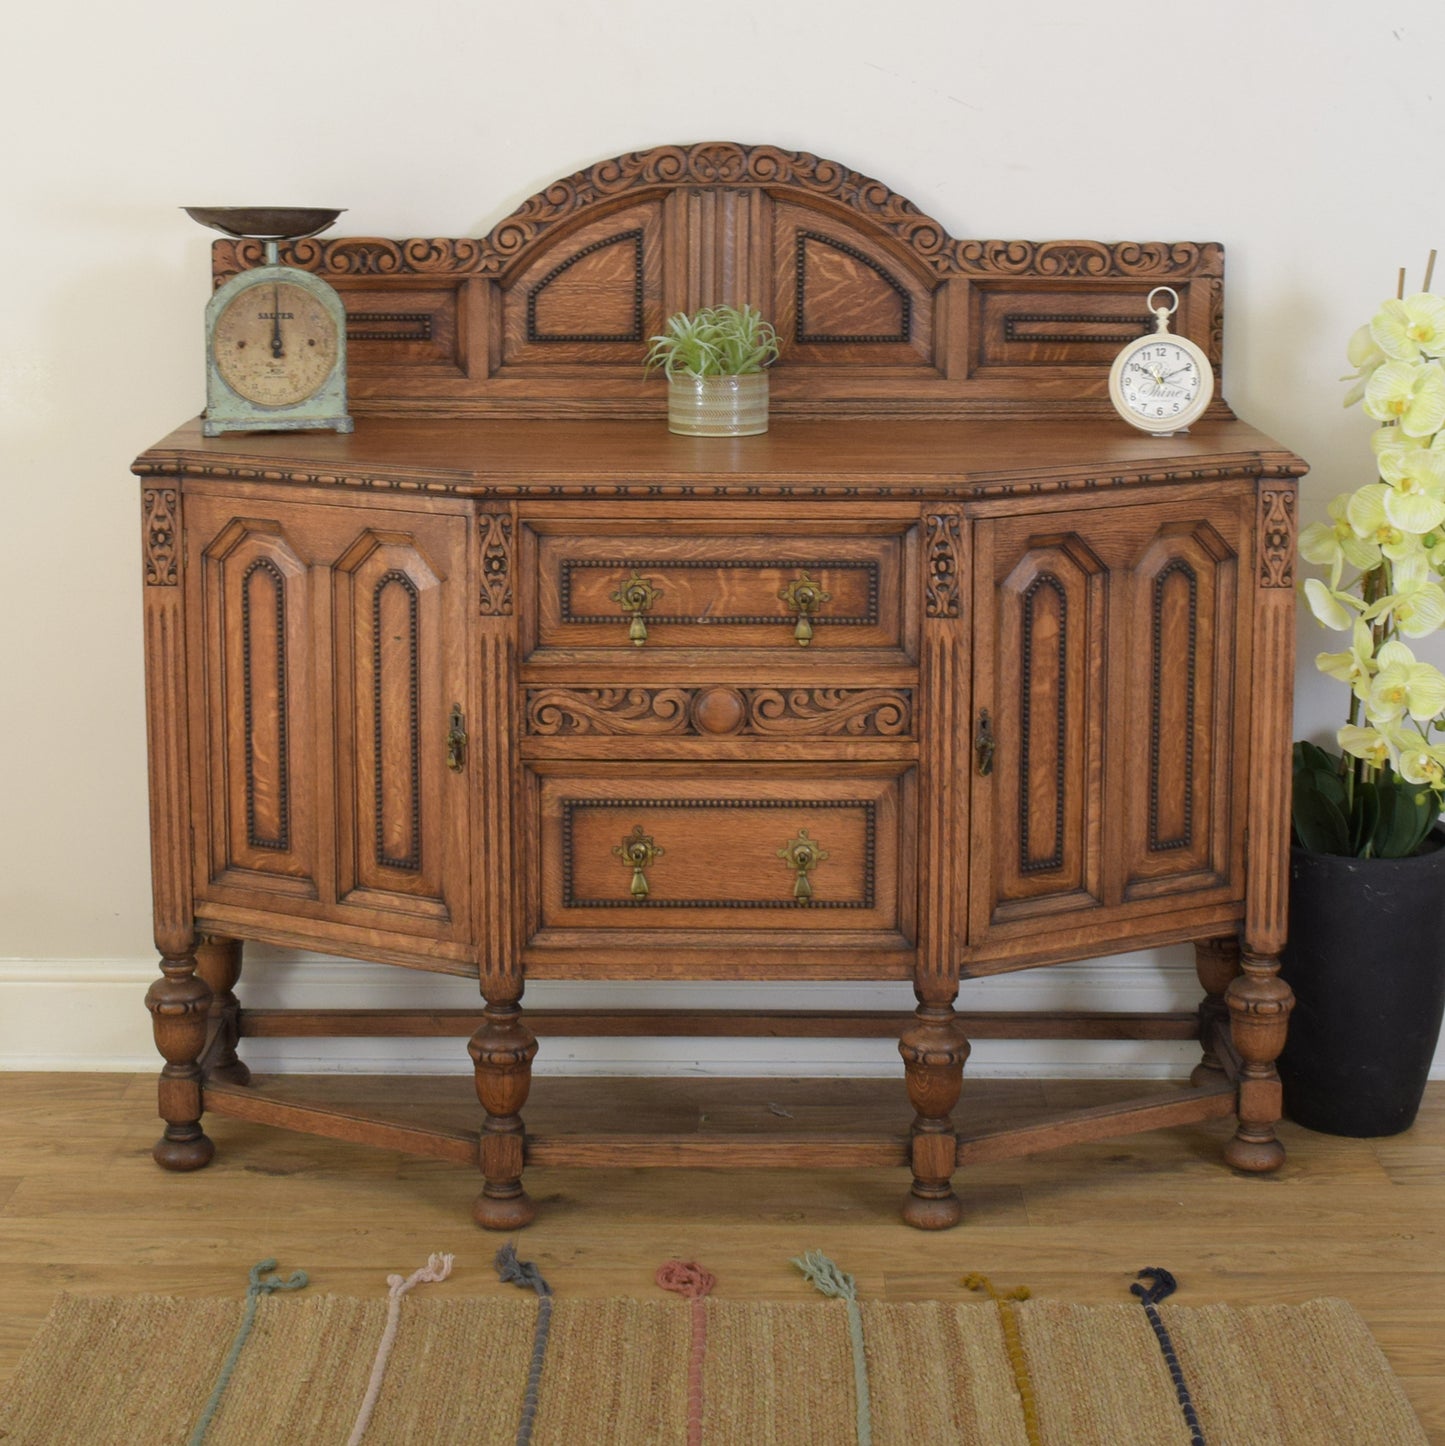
point(331, 645)
point(1110, 641)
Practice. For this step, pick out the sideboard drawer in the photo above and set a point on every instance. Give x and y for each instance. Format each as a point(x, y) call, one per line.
point(776, 848)
point(823, 586)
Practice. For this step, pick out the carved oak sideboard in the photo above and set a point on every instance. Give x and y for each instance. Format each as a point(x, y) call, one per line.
point(950, 673)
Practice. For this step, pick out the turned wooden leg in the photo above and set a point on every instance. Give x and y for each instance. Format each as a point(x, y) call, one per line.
point(502, 1051)
point(934, 1051)
point(178, 1002)
point(218, 962)
point(1259, 1003)
point(1216, 961)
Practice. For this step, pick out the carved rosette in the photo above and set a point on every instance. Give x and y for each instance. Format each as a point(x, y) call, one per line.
point(1276, 536)
point(496, 537)
point(764, 712)
point(944, 533)
point(159, 523)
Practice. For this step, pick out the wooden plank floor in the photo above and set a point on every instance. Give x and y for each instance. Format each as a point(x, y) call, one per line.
point(82, 1207)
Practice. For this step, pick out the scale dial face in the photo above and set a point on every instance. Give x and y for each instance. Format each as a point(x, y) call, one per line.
point(274, 344)
point(1161, 383)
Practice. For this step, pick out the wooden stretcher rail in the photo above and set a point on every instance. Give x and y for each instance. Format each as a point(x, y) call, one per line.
point(719, 1023)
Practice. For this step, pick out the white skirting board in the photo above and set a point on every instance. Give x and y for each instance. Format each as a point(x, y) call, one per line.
point(88, 1014)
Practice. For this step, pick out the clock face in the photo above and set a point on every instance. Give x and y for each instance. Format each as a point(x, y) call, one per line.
point(274, 344)
point(1161, 384)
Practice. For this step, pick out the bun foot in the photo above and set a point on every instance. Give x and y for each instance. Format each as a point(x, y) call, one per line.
point(1254, 1156)
point(504, 1210)
point(192, 1151)
point(932, 1212)
point(1204, 1075)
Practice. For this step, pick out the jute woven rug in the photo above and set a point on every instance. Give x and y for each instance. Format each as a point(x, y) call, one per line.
point(138, 1371)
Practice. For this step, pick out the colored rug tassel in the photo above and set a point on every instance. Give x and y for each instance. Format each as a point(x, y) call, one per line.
point(437, 1267)
point(1161, 1286)
point(524, 1274)
point(693, 1283)
point(1014, 1345)
point(258, 1288)
point(828, 1280)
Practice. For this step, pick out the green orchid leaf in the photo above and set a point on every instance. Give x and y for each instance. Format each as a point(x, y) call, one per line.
point(1388, 798)
point(1365, 820)
point(1320, 825)
point(1406, 815)
point(1311, 755)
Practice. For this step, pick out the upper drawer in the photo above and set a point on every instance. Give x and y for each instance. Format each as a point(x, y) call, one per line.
point(822, 585)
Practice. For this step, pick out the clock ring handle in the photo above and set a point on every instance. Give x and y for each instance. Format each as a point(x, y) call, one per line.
point(1162, 313)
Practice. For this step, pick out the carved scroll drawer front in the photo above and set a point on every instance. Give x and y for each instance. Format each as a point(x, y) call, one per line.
point(778, 848)
point(767, 587)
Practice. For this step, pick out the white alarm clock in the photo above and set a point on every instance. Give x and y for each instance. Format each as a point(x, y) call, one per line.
point(1161, 382)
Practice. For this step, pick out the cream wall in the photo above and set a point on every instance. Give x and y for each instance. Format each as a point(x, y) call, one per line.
point(1306, 135)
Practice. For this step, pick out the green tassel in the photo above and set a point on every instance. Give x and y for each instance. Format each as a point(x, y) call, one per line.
point(261, 1284)
point(829, 1280)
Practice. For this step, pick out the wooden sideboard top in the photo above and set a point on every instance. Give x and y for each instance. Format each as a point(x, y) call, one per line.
point(835, 458)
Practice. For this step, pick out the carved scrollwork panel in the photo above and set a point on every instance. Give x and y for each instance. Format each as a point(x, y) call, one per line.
point(944, 543)
point(162, 553)
point(1276, 536)
point(766, 712)
point(496, 537)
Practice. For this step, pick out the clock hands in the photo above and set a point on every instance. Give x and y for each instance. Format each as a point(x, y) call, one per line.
point(276, 348)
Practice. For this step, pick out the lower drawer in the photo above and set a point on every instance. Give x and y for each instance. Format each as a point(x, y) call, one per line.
point(726, 849)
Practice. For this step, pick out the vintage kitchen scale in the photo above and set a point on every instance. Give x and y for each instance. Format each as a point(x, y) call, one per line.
point(275, 335)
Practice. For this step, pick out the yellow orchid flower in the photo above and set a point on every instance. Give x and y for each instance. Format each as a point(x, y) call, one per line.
point(1402, 686)
point(1335, 543)
point(1416, 501)
point(1421, 762)
point(1406, 330)
point(1369, 516)
point(1387, 438)
point(1331, 608)
point(1375, 745)
point(1416, 611)
point(1410, 393)
point(1356, 666)
point(1364, 355)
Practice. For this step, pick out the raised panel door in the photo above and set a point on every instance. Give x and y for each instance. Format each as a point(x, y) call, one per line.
point(1110, 736)
point(259, 699)
point(399, 664)
point(330, 649)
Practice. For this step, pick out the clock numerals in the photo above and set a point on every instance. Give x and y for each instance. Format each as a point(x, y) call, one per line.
point(1160, 382)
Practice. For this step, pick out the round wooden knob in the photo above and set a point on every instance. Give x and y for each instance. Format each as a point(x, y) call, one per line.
point(718, 710)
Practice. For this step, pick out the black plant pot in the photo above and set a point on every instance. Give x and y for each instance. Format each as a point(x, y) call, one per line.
point(1366, 961)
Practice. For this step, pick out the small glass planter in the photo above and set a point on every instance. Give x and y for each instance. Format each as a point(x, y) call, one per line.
point(717, 406)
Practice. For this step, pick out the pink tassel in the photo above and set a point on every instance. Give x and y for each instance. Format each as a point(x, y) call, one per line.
point(689, 1280)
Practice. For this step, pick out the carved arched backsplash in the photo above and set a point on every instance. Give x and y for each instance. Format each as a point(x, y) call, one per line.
point(879, 310)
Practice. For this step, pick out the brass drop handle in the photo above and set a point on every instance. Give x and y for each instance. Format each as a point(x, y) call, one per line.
point(802, 855)
point(637, 852)
point(634, 597)
point(984, 744)
point(456, 740)
point(805, 597)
